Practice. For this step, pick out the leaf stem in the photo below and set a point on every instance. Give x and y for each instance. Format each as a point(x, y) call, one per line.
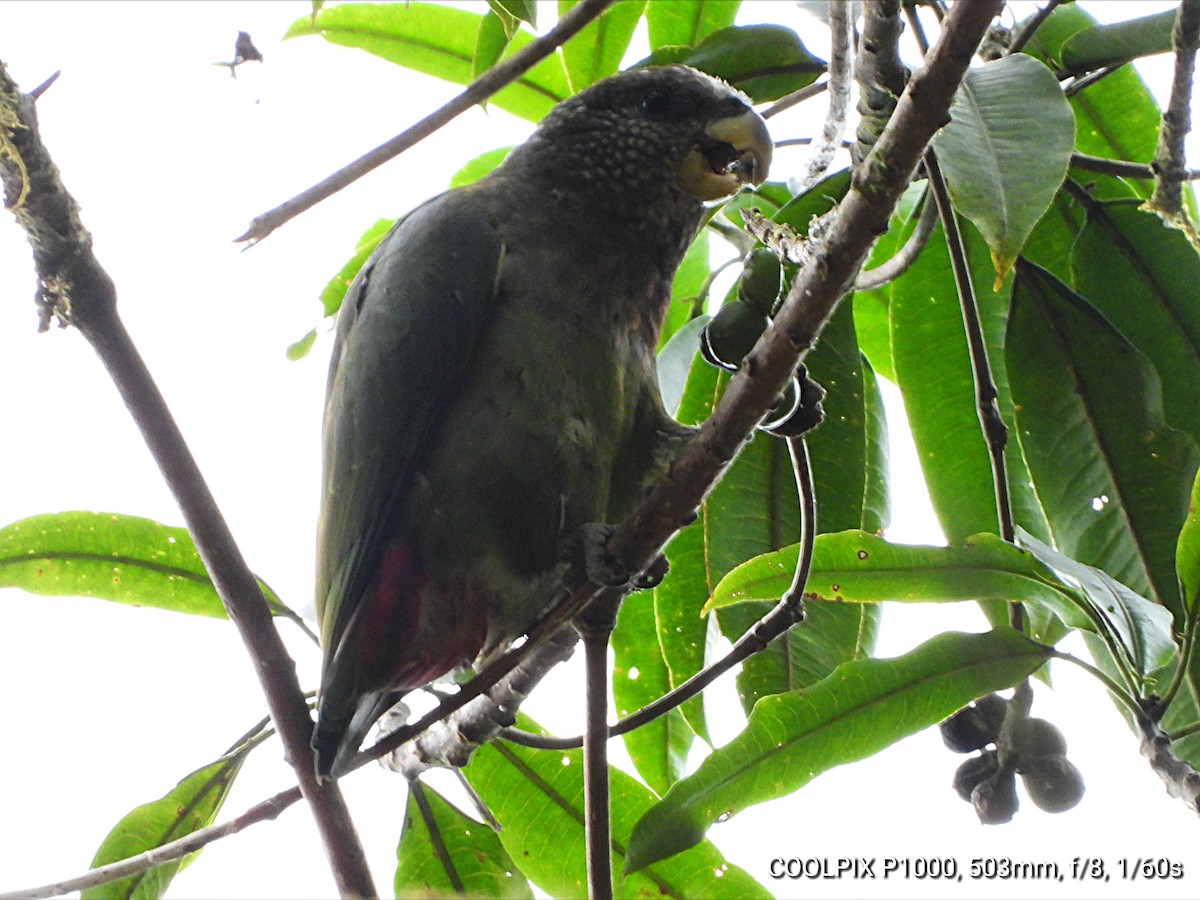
point(76, 289)
point(1126, 699)
point(1170, 159)
point(995, 432)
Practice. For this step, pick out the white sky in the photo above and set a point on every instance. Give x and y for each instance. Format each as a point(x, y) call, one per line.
point(106, 707)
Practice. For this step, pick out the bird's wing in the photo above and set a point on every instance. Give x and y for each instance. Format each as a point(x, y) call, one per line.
point(407, 330)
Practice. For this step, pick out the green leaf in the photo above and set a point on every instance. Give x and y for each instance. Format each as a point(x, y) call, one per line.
point(479, 166)
point(1115, 117)
point(682, 632)
point(192, 804)
point(1143, 629)
point(933, 369)
point(444, 852)
point(862, 707)
point(691, 279)
point(1141, 275)
point(994, 179)
point(516, 10)
point(495, 31)
point(675, 361)
point(125, 559)
point(871, 308)
point(659, 748)
point(856, 568)
point(765, 61)
point(687, 22)
point(440, 41)
point(597, 50)
point(1187, 553)
point(299, 349)
point(1109, 45)
point(538, 797)
point(1113, 477)
point(334, 291)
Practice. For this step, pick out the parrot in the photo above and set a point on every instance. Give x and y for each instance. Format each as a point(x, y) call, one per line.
point(493, 391)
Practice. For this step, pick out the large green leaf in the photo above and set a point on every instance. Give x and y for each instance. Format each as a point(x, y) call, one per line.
point(871, 308)
point(994, 179)
point(516, 10)
point(1113, 477)
point(1187, 552)
point(1107, 45)
point(853, 567)
point(691, 280)
point(191, 805)
point(765, 61)
point(538, 797)
point(443, 852)
point(1142, 630)
point(439, 41)
point(687, 22)
point(862, 707)
point(1116, 117)
point(933, 370)
point(659, 748)
point(1142, 276)
point(125, 559)
point(596, 51)
point(481, 165)
point(1185, 708)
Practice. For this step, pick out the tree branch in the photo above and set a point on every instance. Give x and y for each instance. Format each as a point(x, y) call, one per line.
point(877, 185)
point(477, 91)
point(891, 269)
point(73, 286)
point(841, 71)
point(261, 812)
point(1170, 160)
point(879, 71)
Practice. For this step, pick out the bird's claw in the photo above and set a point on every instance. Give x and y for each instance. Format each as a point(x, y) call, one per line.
point(587, 548)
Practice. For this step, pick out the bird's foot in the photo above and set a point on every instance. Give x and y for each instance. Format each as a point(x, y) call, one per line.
point(586, 551)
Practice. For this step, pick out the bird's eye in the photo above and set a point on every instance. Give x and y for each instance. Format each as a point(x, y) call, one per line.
point(656, 102)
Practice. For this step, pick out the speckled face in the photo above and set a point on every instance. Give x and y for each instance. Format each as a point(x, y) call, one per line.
point(659, 129)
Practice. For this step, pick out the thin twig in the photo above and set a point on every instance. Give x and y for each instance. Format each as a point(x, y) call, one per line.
point(995, 432)
point(841, 71)
point(37, 92)
point(1170, 160)
point(891, 269)
point(918, 30)
point(1032, 25)
point(795, 98)
point(1086, 81)
point(476, 92)
point(261, 812)
point(75, 288)
point(595, 628)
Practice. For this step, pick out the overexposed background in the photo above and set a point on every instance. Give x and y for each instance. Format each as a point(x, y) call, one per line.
point(105, 707)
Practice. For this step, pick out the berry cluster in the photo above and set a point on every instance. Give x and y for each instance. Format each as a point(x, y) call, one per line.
point(1011, 743)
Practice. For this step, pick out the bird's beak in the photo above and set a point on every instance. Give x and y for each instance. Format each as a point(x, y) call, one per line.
point(737, 151)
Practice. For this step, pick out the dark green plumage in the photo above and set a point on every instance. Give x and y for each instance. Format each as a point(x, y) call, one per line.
point(493, 384)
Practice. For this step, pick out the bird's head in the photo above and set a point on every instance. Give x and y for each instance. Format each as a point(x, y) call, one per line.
point(664, 134)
